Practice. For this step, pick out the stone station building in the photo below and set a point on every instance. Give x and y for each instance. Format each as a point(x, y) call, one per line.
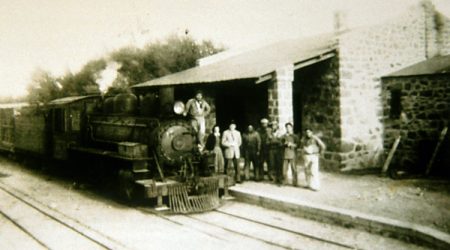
point(416, 101)
point(330, 83)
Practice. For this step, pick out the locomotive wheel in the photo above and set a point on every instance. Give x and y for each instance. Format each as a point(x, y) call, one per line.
point(127, 187)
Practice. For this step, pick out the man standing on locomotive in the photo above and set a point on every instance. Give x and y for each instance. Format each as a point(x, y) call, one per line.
point(198, 109)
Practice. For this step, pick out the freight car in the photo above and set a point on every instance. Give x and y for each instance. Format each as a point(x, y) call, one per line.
point(150, 156)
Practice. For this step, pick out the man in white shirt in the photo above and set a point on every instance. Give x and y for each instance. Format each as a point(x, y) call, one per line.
point(313, 146)
point(232, 140)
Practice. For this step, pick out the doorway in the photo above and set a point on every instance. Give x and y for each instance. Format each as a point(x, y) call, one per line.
point(242, 101)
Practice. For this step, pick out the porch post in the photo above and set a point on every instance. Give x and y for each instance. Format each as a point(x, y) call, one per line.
point(280, 95)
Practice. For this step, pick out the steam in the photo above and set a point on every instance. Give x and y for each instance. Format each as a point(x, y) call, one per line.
point(107, 77)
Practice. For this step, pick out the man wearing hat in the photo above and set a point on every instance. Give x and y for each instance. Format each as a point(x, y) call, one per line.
point(198, 109)
point(232, 140)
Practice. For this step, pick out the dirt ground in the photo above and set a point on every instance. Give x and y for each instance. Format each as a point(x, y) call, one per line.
point(136, 230)
point(421, 201)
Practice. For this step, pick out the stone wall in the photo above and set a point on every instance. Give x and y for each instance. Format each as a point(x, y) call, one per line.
point(280, 95)
point(425, 110)
point(365, 55)
point(317, 90)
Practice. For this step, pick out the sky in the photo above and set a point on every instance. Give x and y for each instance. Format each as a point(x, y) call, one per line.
point(62, 35)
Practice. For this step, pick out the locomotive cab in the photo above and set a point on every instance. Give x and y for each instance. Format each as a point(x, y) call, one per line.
point(66, 123)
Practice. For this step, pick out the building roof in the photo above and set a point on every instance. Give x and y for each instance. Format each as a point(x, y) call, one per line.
point(15, 105)
point(435, 65)
point(70, 99)
point(252, 64)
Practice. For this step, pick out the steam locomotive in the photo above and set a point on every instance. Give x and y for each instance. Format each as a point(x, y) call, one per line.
point(151, 154)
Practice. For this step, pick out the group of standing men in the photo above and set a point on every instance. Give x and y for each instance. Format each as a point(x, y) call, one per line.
point(267, 144)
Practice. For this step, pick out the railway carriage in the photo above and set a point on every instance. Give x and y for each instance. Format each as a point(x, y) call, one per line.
point(154, 157)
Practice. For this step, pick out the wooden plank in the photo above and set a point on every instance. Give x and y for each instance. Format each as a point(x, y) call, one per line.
point(391, 154)
point(319, 58)
point(436, 150)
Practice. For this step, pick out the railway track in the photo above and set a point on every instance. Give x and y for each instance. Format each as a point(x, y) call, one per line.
point(47, 228)
point(234, 225)
point(250, 232)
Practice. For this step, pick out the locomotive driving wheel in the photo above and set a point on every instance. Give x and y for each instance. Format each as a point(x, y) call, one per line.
point(127, 188)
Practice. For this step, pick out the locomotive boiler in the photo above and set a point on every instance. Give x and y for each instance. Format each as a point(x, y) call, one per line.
point(147, 146)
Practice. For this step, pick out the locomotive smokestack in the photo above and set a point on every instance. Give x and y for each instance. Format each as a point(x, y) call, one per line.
point(340, 21)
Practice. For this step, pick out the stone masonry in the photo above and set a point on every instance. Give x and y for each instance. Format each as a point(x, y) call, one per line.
point(425, 110)
point(353, 130)
point(280, 95)
point(318, 88)
point(365, 55)
point(343, 103)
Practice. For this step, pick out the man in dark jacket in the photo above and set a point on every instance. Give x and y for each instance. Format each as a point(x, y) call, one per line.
point(252, 148)
point(275, 152)
point(264, 152)
point(290, 143)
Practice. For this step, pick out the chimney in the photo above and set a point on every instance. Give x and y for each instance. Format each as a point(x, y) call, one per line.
point(340, 21)
point(432, 29)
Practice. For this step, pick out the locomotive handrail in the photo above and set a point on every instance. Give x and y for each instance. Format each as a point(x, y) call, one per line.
point(108, 153)
point(91, 135)
point(142, 125)
point(161, 173)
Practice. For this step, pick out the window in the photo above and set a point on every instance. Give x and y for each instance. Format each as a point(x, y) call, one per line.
point(59, 121)
point(395, 104)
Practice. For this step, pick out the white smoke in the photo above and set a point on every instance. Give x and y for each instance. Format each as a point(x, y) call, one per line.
point(108, 75)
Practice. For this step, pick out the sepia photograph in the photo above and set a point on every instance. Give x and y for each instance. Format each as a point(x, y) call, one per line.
point(224, 124)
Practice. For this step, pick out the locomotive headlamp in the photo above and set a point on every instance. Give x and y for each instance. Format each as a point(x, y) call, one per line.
point(178, 107)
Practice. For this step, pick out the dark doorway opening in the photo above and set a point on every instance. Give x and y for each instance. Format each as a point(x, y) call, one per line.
point(242, 101)
point(315, 98)
point(302, 91)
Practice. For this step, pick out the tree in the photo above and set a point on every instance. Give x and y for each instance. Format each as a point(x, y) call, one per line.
point(132, 63)
point(136, 65)
point(161, 58)
point(83, 82)
point(43, 87)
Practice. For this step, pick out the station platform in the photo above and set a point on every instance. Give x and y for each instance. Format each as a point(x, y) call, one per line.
point(413, 209)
